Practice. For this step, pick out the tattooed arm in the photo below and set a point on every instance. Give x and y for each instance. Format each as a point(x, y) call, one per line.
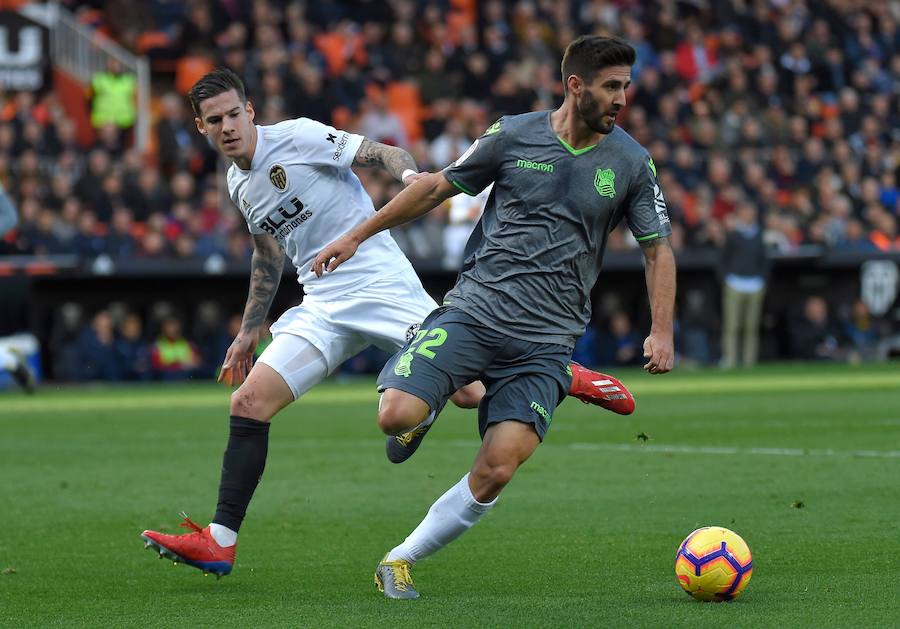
point(265, 274)
point(393, 159)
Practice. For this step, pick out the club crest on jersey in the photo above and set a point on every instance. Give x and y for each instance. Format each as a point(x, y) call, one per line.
point(278, 177)
point(605, 182)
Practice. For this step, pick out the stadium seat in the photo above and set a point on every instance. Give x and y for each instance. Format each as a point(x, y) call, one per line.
point(403, 100)
point(189, 69)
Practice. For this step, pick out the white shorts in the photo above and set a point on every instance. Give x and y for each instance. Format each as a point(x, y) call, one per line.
point(382, 314)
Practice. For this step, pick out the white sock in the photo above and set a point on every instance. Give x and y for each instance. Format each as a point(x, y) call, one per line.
point(448, 518)
point(223, 535)
point(8, 360)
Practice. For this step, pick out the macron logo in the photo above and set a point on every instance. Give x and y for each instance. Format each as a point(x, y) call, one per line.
point(526, 163)
point(540, 410)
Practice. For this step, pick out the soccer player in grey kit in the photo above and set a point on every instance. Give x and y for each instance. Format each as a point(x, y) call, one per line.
point(562, 180)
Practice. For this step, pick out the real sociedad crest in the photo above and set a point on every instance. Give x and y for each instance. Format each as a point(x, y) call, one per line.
point(278, 177)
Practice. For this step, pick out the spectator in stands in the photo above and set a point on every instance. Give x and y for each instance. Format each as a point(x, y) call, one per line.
point(153, 245)
point(43, 237)
point(862, 330)
point(181, 148)
point(884, 233)
point(113, 94)
point(120, 241)
point(744, 268)
point(212, 339)
point(450, 144)
point(855, 238)
point(97, 350)
point(621, 345)
point(754, 104)
point(173, 357)
point(132, 350)
point(694, 327)
point(149, 195)
point(380, 124)
point(89, 186)
point(814, 336)
point(185, 247)
point(88, 243)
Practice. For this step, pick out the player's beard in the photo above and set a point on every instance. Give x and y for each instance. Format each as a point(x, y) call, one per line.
point(589, 109)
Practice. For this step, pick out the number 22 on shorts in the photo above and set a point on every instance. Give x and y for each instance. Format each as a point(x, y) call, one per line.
point(421, 344)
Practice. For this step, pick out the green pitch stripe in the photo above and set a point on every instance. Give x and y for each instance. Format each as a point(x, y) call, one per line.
point(211, 396)
point(463, 188)
point(648, 237)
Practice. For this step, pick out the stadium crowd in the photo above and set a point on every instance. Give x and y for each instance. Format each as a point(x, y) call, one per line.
point(789, 106)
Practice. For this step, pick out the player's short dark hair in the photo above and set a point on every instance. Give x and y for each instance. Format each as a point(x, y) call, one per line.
point(589, 54)
point(216, 82)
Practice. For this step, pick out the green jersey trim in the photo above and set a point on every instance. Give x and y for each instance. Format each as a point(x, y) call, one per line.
point(574, 151)
point(463, 188)
point(647, 237)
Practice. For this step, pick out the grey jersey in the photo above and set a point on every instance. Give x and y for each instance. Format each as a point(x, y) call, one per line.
point(534, 257)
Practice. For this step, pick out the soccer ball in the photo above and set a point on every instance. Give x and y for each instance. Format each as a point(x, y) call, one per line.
point(713, 564)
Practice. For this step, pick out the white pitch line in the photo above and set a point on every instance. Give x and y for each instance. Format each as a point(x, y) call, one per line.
point(613, 447)
point(728, 450)
point(670, 449)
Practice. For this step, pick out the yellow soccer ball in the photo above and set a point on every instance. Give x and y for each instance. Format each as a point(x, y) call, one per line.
point(713, 564)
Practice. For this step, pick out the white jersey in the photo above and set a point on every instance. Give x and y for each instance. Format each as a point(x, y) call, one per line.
point(301, 191)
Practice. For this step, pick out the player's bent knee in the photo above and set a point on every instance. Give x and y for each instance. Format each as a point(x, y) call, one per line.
point(245, 403)
point(393, 421)
point(398, 412)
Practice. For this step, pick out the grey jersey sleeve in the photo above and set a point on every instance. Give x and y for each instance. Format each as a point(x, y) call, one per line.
point(9, 218)
point(478, 166)
point(646, 214)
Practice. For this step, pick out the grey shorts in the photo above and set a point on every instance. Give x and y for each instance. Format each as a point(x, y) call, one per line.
point(525, 381)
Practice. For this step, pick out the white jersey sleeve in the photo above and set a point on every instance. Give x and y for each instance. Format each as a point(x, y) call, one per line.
point(322, 145)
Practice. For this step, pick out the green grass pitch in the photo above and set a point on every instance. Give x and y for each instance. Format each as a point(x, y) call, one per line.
point(802, 461)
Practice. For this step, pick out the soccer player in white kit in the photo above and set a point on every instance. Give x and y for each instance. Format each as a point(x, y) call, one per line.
point(293, 184)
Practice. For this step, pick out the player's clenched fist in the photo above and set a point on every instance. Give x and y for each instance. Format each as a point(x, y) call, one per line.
point(659, 350)
point(334, 255)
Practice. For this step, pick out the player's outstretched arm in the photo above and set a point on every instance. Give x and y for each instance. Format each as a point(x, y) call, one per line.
point(659, 347)
point(419, 198)
point(392, 158)
point(265, 275)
